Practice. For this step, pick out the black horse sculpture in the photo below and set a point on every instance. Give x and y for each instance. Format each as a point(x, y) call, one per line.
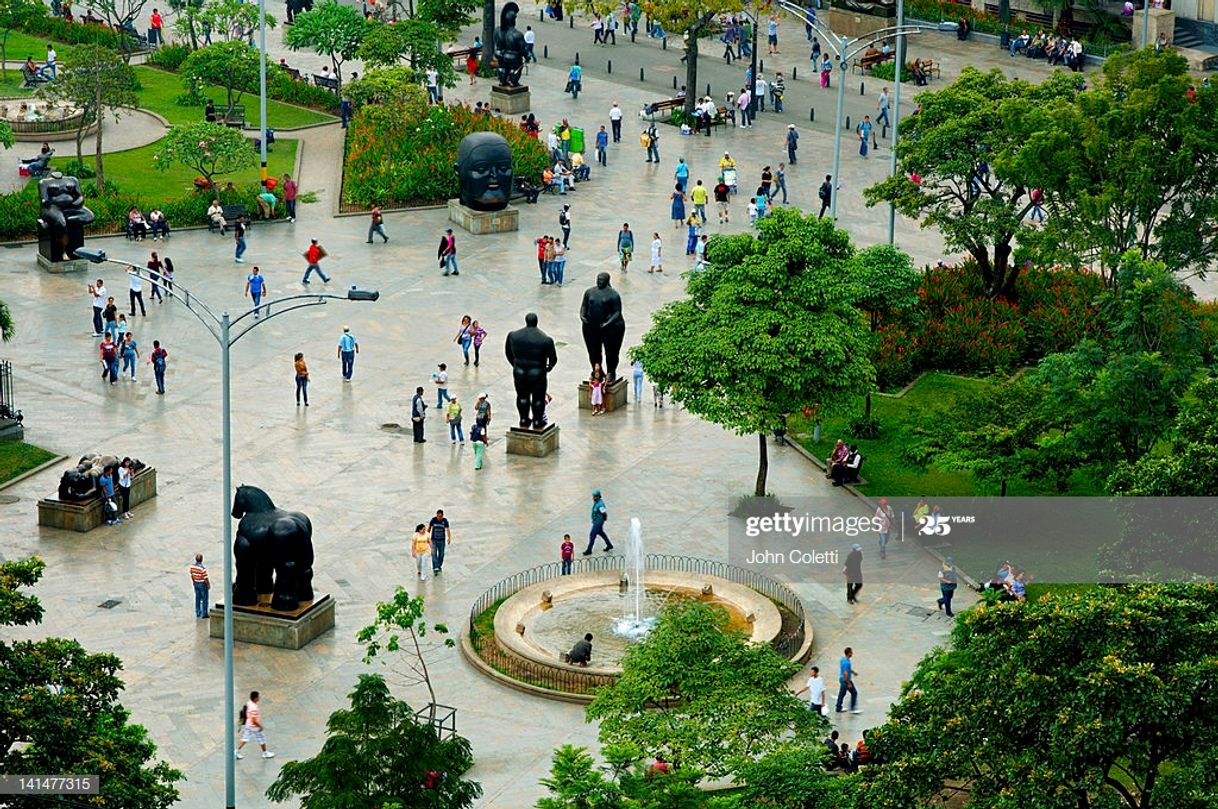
point(273, 552)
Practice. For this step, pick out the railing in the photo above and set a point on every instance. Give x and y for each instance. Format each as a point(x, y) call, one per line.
point(788, 642)
point(7, 409)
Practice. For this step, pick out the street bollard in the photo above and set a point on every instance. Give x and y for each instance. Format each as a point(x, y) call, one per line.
point(545, 51)
point(664, 44)
point(862, 89)
point(708, 92)
point(571, 21)
point(794, 73)
point(812, 114)
point(674, 82)
point(577, 57)
point(761, 66)
point(632, 33)
point(884, 132)
point(541, 15)
point(847, 123)
point(641, 74)
point(609, 68)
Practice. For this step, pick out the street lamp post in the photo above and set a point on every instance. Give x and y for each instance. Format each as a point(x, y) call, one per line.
point(896, 115)
point(221, 328)
point(262, 85)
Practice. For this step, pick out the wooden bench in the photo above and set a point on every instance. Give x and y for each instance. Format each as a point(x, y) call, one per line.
point(291, 71)
point(329, 82)
point(666, 105)
point(864, 64)
point(231, 213)
point(931, 68)
point(233, 116)
point(526, 189)
point(32, 79)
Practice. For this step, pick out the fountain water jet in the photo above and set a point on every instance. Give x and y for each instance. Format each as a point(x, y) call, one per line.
point(633, 624)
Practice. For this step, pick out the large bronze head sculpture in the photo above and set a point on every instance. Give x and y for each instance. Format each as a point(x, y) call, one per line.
point(484, 165)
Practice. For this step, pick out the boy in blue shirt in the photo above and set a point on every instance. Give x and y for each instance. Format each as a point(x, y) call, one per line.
point(106, 481)
point(255, 287)
point(602, 146)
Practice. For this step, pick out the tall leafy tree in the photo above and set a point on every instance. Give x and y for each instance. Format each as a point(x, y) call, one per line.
point(13, 15)
point(330, 29)
point(702, 695)
point(1190, 467)
point(233, 19)
point(188, 20)
point(210, 149)
point(963, 147)
point(1076, 700)
point(231, 65)
point(98, 81)
point(888, 285)
point(768, 328)
point(121, 14)
point(59, 711)
point(377, 754)
point(413, 41)
point(1131, 163)
point(406, 640)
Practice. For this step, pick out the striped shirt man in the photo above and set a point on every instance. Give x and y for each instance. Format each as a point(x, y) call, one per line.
point(198, 577)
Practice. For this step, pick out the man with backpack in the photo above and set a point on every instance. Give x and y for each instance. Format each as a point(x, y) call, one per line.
point(650, 140)
point(599, 515)
point(564, 222)
point(157, 359)
point(826, 194)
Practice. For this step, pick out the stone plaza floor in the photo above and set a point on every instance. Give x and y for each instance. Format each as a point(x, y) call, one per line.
point(364, 484)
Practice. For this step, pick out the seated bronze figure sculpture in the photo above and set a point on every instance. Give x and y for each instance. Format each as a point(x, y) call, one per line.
point(61, 223)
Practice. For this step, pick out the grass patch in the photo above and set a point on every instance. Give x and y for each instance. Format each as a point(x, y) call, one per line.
point(134, 170)
point(159, 89)
point(17, 457)
point(900, 420)
point(11, 87)
point(21, 45)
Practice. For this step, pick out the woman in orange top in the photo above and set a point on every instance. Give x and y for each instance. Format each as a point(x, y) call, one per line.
point(302, 380)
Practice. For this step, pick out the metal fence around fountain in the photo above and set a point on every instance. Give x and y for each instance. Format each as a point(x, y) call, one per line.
point(788, 643)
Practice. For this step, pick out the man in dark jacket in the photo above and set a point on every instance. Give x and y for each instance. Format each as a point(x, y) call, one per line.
point(853, 572)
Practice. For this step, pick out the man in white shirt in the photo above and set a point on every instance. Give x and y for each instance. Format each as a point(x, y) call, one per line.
point(52, 60)
point(98, 291)
point(759, 92)
point(530, 43)
point(433, 85)
point(815, 689)
point(137, 292)
point(615, 120)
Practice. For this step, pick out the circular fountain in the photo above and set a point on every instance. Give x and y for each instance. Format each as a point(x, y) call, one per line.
point(543, 615)
point(35, 119)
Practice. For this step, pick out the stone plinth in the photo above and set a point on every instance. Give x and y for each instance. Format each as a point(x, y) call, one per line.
point(11, 430)
point(481, 222)
point(844, 22)
point(73, 265)
point(535, 443)
point(615, 395)
point(268, 627)
point(510, 100)
point(87, 514)
point(1161, 20)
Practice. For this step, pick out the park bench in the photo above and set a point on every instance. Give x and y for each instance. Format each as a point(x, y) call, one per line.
point(329, 82)
point(231, 213)
point(667, 104)
point(294, 73)
point(461, 54)
point(523, 188)
point(865, 63)
point(931, 68)
point(32, 79)
point(233, 116)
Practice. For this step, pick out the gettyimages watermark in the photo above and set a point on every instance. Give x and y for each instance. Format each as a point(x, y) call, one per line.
point(1054, 539)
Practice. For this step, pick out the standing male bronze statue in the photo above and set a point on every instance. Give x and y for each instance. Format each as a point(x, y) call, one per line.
point(532, 355)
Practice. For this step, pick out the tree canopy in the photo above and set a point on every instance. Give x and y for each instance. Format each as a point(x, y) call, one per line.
point(330, 29)
point(59, 710)
point(210, 149)
point(232, 65)
point(1090, 698)
point(784, 301)
point(702, 695)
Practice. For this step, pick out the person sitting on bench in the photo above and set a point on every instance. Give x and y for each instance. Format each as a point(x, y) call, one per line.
point(581, 652)
point(847, 470)
point(580, 169)
point(215, 213)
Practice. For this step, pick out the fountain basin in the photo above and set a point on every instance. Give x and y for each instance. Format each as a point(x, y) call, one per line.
point(591, 602)
point(33, 119)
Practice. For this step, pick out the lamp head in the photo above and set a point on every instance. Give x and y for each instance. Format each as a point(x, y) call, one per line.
point(356, 294)
point(90, 254)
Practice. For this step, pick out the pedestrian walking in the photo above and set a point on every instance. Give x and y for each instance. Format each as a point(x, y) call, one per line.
point(452, 416)
point(313, 256)
point(477, 437)
point(650, 139)
point(767, 180)
point(377, 225)
point(447, 253)
point(108, 352)
point(479, 335)
point(742, 103)
point(599, 514)
point(682, 174)
point(302, 379)
point(678, 206)
point(780, 182)
point(882, 108)
point(167, 273)
point(947, 585)
point(792, 143)
point(441, 537)
point(136, 291)
point(815, 57)
point(845, 681)
point(252, 729)
point(853, 571)
point(698, 195)
point(198, 578)
point(98, 297)
point(155, 269)
point(825, 192)
point(120, 331)
point(131, 354)
point(778, 91)
point(772, 35)
point(1037, 198)
point(418, 413)
point(826, 71)
point(348, 347)
point(598, 30)
point(255, 288)
point(440, 379)
point(602, 146)
point(723, 198)
point(615, 122)
point(816, 691)
point(465, 336)
point(109, 507)
point(575, 82)
point(289, 197)
point(885, 517)
point(239, 239)
point(125, 474)
point(564, 222)
point(420, 550)
point(611, 30)
point(530, 45)
point(759, 91)
point(471, 67)
point(625, 245)
point(482, 411)
point(657, 248)
point(694, 225)
point(158, 361)
point(864, 130)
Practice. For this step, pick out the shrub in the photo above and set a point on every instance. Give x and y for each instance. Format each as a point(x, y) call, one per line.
point(372, 174)
point(1207, 313)
point(974, 335)
point(283, 87)
point(896, 357)
point(74, 33)
point(886, 70)
point(169, 57)
point(1059, 308)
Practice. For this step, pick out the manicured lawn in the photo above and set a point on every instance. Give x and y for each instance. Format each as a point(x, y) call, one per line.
point(160, 88)
point(901, 420)
point(12, 87)
point(17, 457)
point(21, 45)
point(134, 171)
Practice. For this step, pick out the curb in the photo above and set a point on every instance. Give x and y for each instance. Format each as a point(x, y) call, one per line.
point(467, 651)
point(29, 473)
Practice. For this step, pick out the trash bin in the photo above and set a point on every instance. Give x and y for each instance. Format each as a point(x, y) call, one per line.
point(577, 140)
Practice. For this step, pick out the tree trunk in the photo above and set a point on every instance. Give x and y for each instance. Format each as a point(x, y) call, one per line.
point(4, 57)
point(1004, 272)
point(488, 33)
point(190, 26)
point(1004, 488)
point(763, 466)
point(691, 70)
point(101, 114)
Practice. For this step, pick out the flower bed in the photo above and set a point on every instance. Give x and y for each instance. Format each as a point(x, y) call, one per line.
point(375, 171)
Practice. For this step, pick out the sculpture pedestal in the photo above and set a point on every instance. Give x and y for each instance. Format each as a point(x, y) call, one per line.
point(481, 222)
point(535, 443)
point(72, 265)
point(86, 515)
point(845, 22)
point(510, 100)
point(268, 627)
point(615, 395)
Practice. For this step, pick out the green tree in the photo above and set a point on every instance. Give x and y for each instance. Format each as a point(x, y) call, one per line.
point(8, 326)
point(1190, 467)
point(331, 30)
point(188, 18)
point(1093, 698)
point(575, 782)
point(793, 779)
point(13, 15)
point(209, 149)
point(702, 695)
point(231, 65)
point(377, 754)
point(119, 14)
point(1131, 163)
point(784, 300)
point(97, 80)
point(59, 710)
point(416, 41)
point(963, 146)
point(400, 628)
point(888, 285)
point(234, 20)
